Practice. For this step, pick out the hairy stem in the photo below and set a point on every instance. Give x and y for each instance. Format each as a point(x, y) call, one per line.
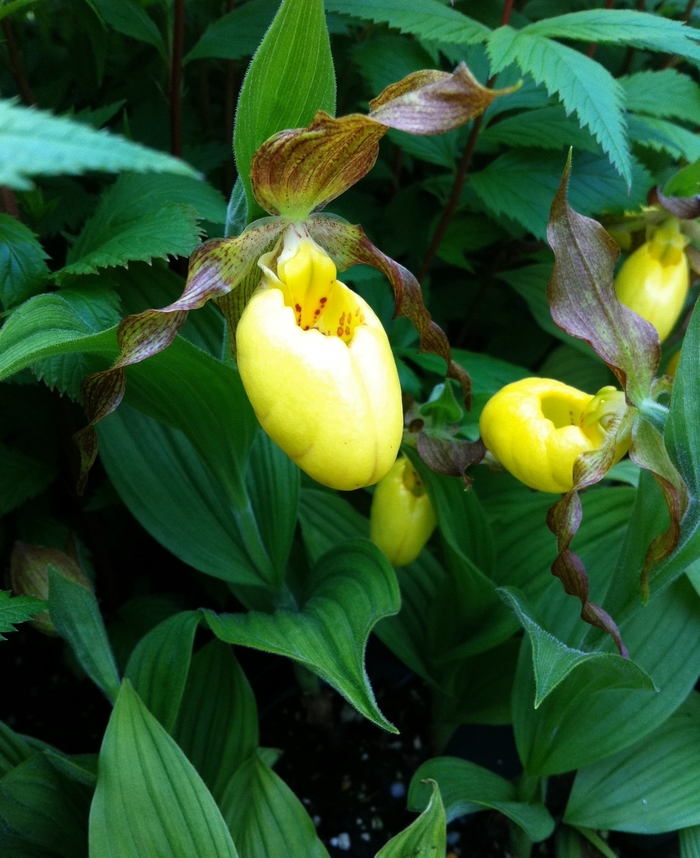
point(176, 79)
point(461, 174)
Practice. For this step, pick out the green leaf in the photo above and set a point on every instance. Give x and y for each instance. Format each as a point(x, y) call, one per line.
point(690, 842)
point(159, 665)
point(35, 142)
point(546, 128)
point(350, 590)
point(130, 18)
point(666, 93)
point(264, 816)
point(425, 837)
point(217, 726)
point(585, 719)
point(144, 217)
point(21, 477)
point(583, 85)
point(554, 661)
point(686, 182)
point(326, 520)
point(149, 799)
point(13, 748)
point(48, 809)
point(522, 183)
point(664, 136)
point(427, 19)
point(237, 34)
point(649, 787)
point(76, 616)
point(290, 78)
point(23, 271)
point(16, 609)
point(45, 326)
point(467, 788)
point(621, 27)
point(385, 59)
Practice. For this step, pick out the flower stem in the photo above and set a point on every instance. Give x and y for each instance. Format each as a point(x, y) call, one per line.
point(654, 413)
point(461, 174)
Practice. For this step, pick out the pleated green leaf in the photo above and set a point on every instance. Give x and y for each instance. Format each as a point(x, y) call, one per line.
point(650, 787)
point(290, 78)
point(159, 665)
point(217, 725)
point(77, 618)
point(467, 788)
point(149, 800)
point(264, 816)
point(424, 838)
point(690, 842)
point(351, 589)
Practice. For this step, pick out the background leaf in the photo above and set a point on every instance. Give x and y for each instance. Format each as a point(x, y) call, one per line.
point(17, 609)
point(236, 34)
point(23, 270)
point(425, 836)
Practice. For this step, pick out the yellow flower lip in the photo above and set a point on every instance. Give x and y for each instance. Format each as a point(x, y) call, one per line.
point(325, 390)
point(537, 428)
point(402, 517)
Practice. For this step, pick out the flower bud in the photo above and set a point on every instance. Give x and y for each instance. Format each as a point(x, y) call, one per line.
point(653, 281)
point(402, 518)
point(29, 576)
point(318, 369)
point(537, 428)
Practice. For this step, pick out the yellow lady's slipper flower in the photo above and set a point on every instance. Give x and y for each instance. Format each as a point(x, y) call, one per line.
point(537, 428)
point(402, 517)
point(316, 364)
point(653, 281)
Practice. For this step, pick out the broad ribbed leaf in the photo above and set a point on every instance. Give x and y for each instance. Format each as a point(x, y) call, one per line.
point(237, 34)
point(149, 799)
point(217, 726)
point(351, 589)
point(159, 665)
point(427, 19)
point(290, 78)
point(13, 748)
point(424, 838)
point(583, 85)
point(648, 788)
point(34, 142)
point(76, 616)
point(690, 842)
point(554, 661)
point(467, 788)
point(264, 816)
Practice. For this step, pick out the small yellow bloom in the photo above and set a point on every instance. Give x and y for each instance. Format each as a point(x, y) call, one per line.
point(402, 517)
point(653, 281)
point(537, 428)
point(318, 369)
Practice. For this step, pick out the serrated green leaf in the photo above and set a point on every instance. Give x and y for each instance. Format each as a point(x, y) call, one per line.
point(21, 477)
point(130, 18)
point(76, 616)
point(264, 816)
point(522, 183)
point(545, 128)
point(290, 78)
point(236, 34)
point(649, 787)
point(427, 19)
point(217, 726)
point(553, 660)
point(142, 217)
point(666, 93)
point(23, 270)
point(621, 27)
point(34, 142)
point(425, 837)
point(48, 809)
point(583, 85)
point(159, 665)
point(664, 136)
point(149, 799)
point(467, 788)
point(351, 589)
point(17, 609)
